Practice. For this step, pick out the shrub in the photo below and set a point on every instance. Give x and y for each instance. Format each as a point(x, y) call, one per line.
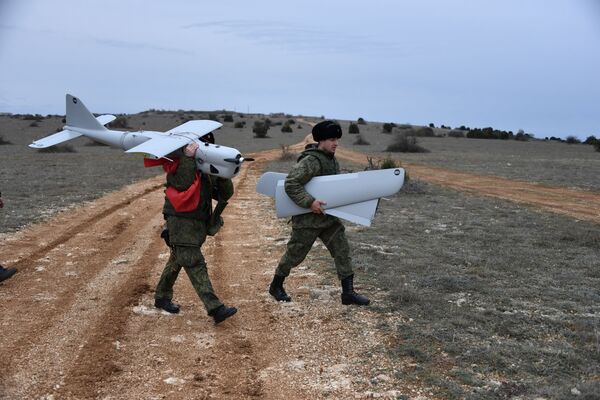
point(59, 148)
point(361, 141)
point(260, 129)
point(597, 145)
point(590, 140)
point(361, 121)
point(34, 124)
point(213, 116)
point(522, 136)
point(388, 127)
point(286, 128)
point(291, 121)
point(353, 128)
point(31, 117)
point(239, 124)
point(489, 133)
point(572, 140)
point(228, 118)
point(389, 162)
point(119, 122)
point(405, 144)
point(431, 125)
point(286, 154)
point(3, 141)
point(424, 132)
point(299, 126)
point(456, 134)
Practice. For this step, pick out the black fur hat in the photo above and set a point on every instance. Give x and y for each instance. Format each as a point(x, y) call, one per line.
point(326, 130)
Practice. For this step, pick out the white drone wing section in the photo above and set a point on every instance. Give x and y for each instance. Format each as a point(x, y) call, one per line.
point(199, 127)
point(159, 145)
point(353, 197)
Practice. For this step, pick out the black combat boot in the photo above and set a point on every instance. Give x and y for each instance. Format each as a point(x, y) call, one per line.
point(276, 289)
point(222, 313)
point(6, 273)
point(349, 296)
point(166, 305)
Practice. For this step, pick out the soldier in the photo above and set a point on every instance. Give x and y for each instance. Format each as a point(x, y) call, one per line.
point(187, 209)
point(316, 160)
point(5, 273)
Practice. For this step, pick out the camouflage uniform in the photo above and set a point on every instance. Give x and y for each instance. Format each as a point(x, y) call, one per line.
point(306, 228)
point(187, 233)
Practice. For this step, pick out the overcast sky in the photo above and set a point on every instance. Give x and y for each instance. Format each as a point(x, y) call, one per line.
point(510, 64)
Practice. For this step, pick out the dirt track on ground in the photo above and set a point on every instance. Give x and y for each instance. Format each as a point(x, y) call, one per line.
point(78, 319)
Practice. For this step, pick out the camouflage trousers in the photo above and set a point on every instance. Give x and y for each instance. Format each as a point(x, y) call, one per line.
point(333, 237)
point(189, 258)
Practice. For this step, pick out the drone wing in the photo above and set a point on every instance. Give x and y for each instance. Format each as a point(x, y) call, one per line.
point(199, 127)
point(160, 145)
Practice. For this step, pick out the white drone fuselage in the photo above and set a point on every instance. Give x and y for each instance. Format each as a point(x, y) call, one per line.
point(210, 158)
point(353, 197)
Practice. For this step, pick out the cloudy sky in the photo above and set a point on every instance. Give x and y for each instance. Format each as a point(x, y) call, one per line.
point(510, 64)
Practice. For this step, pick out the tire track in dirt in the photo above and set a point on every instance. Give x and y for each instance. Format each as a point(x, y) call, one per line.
point(74, 226)
point(75, 288)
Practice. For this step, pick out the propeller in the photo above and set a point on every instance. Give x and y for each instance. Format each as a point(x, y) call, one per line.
point(238, 159)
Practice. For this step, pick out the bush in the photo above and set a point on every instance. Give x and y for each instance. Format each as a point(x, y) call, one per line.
point(58, 148)
point(260, 129)
point(590, 140)
point(360, 141)
point(456, 134)
point(597, 145)
point(291, 121)
point(353, 128)
point(361, 121)
point(424, 132)
point(119, 122)
point(389, 162)
point(286, 128)
point(405, 144)
point(572, 140)
point(522, 136)
point(213, 116)
point(228, 118)
point(239, 124)
point(489, 133)
point(34, 124)
point(3, 141)
point(388, 127)
point(286, 154)
point(431, 125)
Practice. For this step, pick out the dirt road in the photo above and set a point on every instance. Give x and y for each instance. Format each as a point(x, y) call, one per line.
point(79, 322)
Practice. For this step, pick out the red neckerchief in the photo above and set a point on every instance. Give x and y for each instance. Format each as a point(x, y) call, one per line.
point(186, 200)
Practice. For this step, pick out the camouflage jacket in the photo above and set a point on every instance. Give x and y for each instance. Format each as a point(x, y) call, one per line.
point(188, 228)
point(312, 162)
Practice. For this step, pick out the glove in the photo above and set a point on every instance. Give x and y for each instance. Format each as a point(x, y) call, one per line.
point(165, 235)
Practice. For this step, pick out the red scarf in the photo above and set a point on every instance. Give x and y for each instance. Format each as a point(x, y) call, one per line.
point(186, 200)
